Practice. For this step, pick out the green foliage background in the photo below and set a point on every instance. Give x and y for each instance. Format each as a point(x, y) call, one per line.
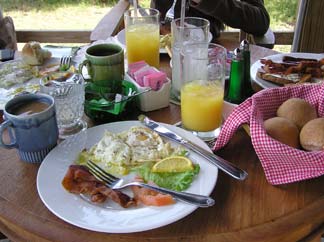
point(282, 11)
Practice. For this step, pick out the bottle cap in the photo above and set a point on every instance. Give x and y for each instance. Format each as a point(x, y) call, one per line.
point(245, 45)
point(237, 54)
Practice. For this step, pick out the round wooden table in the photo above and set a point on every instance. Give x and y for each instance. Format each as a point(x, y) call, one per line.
point(249, 210)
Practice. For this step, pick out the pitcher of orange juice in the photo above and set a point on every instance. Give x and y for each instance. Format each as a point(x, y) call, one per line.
point(142, 31)
point(202, 91)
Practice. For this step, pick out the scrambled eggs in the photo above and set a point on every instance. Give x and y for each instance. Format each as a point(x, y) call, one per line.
point(117, 153)
point(111, 149)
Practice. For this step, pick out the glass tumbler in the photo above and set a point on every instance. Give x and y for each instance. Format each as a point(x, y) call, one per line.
point(202, 91)
point(193, 30)
point(142, 32)
point(67, 89)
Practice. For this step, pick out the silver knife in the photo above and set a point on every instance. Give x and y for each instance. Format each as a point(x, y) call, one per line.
point(221, 163)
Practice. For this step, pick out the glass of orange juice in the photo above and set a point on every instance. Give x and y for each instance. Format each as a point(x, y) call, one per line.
point(202, 90)
point(142, 31)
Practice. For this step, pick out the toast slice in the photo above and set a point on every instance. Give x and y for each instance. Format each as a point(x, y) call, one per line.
point(281, 80)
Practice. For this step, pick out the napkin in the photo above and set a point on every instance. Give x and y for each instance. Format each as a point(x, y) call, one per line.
point(281, 163)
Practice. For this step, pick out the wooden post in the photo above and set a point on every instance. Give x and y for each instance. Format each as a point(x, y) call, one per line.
point(111, 23)
point(309, 31)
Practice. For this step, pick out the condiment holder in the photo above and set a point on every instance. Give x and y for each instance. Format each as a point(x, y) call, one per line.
point(102, 106)
point(152, 100)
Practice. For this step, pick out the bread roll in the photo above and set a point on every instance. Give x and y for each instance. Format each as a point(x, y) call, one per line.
point(298, 111)
point(312, 135)
point(33, 54)
point(283, 130)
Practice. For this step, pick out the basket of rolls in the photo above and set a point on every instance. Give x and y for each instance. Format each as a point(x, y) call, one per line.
point(287, 131)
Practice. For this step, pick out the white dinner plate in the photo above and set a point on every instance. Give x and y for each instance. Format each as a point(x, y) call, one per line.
point(278, 58)
point(73, 209)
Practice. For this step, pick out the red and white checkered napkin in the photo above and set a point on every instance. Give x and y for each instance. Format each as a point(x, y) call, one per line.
point(281, 163)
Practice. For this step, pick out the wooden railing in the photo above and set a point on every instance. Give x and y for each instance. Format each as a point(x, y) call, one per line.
point(74, 36)
point(55, 36)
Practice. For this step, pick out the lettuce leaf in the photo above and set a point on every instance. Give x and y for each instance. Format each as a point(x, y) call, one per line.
point(177, 181)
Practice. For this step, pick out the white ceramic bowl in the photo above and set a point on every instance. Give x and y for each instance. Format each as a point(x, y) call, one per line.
point(227, 109)
point(152, 100)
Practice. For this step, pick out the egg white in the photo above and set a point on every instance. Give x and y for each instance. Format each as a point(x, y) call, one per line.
point(111, 149)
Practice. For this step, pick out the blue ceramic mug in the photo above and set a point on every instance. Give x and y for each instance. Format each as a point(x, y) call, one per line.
point(31, 123)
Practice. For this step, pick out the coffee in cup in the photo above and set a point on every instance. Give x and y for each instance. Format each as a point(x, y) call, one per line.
point(105, 66)
point(29, 108)
point(31, 123)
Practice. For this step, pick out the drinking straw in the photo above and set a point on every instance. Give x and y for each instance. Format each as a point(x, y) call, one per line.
point(135, 7)
point(182, 17)
point(182, 13)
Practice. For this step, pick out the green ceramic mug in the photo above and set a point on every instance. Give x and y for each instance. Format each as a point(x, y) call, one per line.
point(105, 65)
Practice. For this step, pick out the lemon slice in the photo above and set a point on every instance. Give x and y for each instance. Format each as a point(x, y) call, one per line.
point(173, 164)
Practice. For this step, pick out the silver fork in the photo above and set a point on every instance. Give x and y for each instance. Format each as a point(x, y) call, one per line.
point(65, 62)
point(118, 183)
point(169, 16)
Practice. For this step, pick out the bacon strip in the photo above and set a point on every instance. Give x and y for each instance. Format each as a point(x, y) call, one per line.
point(287, 58)
point(78, 180)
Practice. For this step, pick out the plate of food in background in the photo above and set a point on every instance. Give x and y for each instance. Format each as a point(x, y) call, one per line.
point(22, 74)
point(288, 69)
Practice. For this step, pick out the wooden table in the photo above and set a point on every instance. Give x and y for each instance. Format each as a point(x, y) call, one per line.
point(250, 210)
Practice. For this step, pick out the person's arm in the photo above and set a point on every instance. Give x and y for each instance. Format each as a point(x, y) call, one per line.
point(161, 5)
point(249, 15)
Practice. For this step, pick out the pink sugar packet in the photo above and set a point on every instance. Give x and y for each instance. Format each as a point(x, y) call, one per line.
point(133, 67)
point(141, 73)
point(155, 80)
point(146, 76)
